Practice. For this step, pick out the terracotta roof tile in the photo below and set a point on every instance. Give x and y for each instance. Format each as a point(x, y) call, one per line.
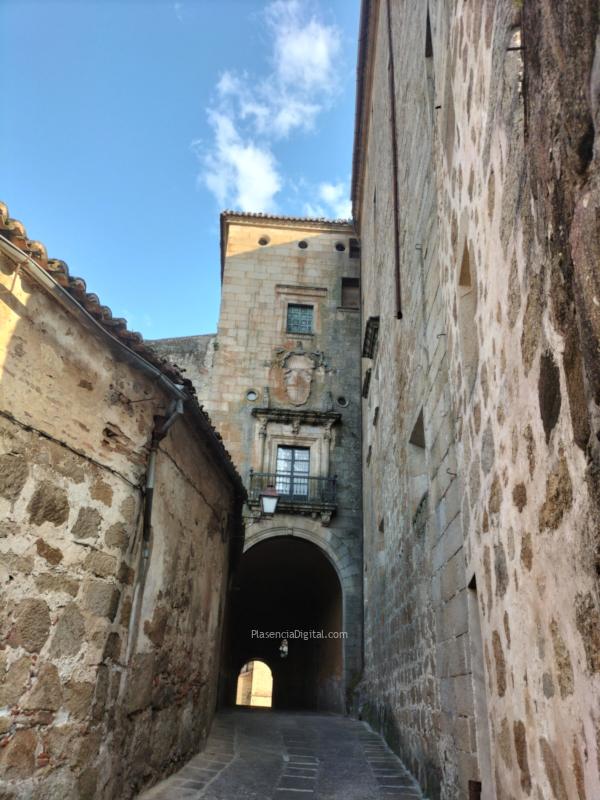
point(14, 231)
point(283, 218)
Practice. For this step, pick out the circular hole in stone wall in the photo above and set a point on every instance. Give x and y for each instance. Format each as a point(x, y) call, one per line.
point(264, 240)
point(303, 245)
point(340, 247)
point(251, 395)
point(342, 401)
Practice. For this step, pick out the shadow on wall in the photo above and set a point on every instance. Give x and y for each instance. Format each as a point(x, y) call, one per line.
point(383, 718)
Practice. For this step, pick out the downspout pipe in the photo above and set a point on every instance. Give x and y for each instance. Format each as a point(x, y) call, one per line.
point(159, 432)
point(161, 429)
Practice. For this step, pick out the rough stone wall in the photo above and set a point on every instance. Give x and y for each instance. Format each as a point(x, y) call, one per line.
point(517, 263)
point(527, 509)
point(193, 355)
point(258, 281)
point(103, 687)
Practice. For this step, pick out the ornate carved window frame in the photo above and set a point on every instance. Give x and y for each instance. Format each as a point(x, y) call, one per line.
point(289, 427)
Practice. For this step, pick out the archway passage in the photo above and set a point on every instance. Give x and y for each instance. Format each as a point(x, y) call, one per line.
point(285, 584)
point(254, 685)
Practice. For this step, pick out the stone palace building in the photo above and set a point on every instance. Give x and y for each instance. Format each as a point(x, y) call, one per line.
point(419, 390)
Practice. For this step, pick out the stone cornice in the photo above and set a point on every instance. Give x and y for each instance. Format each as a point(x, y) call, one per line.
point(364, 79)
point(301, 416)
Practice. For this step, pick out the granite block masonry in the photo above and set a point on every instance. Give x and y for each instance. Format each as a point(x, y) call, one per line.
point(283, 383)
point(475, 199)
point(432, 442)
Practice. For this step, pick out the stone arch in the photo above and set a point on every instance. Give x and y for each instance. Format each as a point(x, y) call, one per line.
point(290, 579)
point(254, 687)
point(300, 533)
point(341, 560)
point(239, 663)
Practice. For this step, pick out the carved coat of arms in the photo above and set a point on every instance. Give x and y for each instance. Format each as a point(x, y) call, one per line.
point(298, 370)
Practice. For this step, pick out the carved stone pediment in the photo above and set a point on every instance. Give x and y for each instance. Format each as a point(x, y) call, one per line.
point(289, 416)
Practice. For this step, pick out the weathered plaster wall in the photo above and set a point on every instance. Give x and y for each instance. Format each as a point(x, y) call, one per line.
point(258, 282)
point(96, 699)
point(193, 355)
point(515, 233)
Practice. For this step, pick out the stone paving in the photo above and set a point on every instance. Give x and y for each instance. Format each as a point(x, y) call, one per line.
point(269, 755)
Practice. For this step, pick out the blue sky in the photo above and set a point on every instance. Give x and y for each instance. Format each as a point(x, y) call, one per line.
point(127, 125)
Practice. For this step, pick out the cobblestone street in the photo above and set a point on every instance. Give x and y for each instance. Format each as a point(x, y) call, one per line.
point(255, 755)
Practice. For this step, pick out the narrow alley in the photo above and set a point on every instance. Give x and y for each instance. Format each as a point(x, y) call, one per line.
point(332, 532)
point(256, 755)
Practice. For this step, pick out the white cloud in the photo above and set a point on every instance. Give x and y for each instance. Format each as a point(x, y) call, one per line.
point(250, 114)
point(257, 179)
point(304, 50)
point(310, 210)
point(332, 201)
point(294, 113)
point(239, 172)
point(336, 197)
point(228, 83)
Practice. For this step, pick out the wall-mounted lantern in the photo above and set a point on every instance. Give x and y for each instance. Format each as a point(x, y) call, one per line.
point(283, 648)
point(268, 500)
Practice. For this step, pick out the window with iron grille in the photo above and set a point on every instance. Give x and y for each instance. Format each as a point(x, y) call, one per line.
point(299, 318)
point(293, 468)
point(371, 336)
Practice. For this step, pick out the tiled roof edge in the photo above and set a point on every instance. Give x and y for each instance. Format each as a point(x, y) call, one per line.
point(14, 232)
point(283, 218)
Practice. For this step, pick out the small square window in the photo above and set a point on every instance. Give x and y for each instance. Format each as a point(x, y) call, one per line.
point(350, 293)
point(299, 318)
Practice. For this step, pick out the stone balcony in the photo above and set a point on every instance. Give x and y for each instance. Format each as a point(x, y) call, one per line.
point(297, 494)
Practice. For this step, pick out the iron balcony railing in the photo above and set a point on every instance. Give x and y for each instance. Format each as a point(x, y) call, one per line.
point(302, 491)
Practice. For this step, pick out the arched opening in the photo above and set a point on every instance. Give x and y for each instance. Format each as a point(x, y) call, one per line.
point(254, 685)
point(286, 588)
